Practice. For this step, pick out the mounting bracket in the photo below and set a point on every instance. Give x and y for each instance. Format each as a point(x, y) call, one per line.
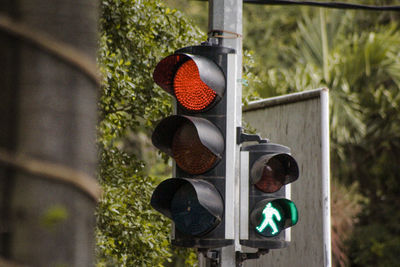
point(244, 137)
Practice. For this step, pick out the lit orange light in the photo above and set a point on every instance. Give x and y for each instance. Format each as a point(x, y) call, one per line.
point(191, 92)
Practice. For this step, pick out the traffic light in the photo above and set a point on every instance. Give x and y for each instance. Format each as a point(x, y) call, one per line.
point(195, 137)
point(266, 170)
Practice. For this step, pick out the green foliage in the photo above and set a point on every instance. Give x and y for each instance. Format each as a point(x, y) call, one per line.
point(129, 232)
point(268, 33)
point(134, 36)
point(376, 243)
point(197, 11)
point(183, 257)
point(250, 81)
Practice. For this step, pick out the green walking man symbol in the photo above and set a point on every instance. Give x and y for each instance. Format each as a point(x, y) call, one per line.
point(268, 213)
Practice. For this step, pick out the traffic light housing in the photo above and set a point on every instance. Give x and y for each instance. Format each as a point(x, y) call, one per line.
point(195, 137)
point(265, 210)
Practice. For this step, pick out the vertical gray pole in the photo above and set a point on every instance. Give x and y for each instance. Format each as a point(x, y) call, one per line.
point(225, 17)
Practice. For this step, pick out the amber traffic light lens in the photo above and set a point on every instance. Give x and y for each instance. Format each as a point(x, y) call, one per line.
point(191, 92)
point(189, 153)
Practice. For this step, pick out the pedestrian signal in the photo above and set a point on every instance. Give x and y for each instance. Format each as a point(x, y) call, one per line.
point(268, 212)
point(269, 218)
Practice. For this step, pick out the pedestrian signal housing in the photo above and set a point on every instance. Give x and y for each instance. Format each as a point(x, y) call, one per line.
point(269, 211)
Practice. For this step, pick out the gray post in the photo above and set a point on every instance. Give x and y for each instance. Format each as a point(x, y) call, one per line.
point(225, 24)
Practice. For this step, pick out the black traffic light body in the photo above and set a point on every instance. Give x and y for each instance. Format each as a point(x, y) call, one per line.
point(268, 211)
point(195, 137)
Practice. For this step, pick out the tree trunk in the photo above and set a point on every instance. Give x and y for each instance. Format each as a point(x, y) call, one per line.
point(48, 111)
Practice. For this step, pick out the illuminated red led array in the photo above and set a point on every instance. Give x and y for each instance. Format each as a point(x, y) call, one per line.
point(191, 92)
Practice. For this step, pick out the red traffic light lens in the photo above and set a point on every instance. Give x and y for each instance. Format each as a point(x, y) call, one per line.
point(188, 151)
point(191, 92)
point(196, 81)
point(272, 177)
point(271, 172)
point(164, 73)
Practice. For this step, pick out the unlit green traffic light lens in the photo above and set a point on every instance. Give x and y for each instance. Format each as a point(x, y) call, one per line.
point(189, 216)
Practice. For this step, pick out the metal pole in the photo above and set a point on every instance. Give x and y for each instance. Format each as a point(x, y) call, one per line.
point(225, 23)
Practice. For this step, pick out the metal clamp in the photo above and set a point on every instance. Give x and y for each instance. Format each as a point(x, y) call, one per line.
point(213, 256)
point(244, 137)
